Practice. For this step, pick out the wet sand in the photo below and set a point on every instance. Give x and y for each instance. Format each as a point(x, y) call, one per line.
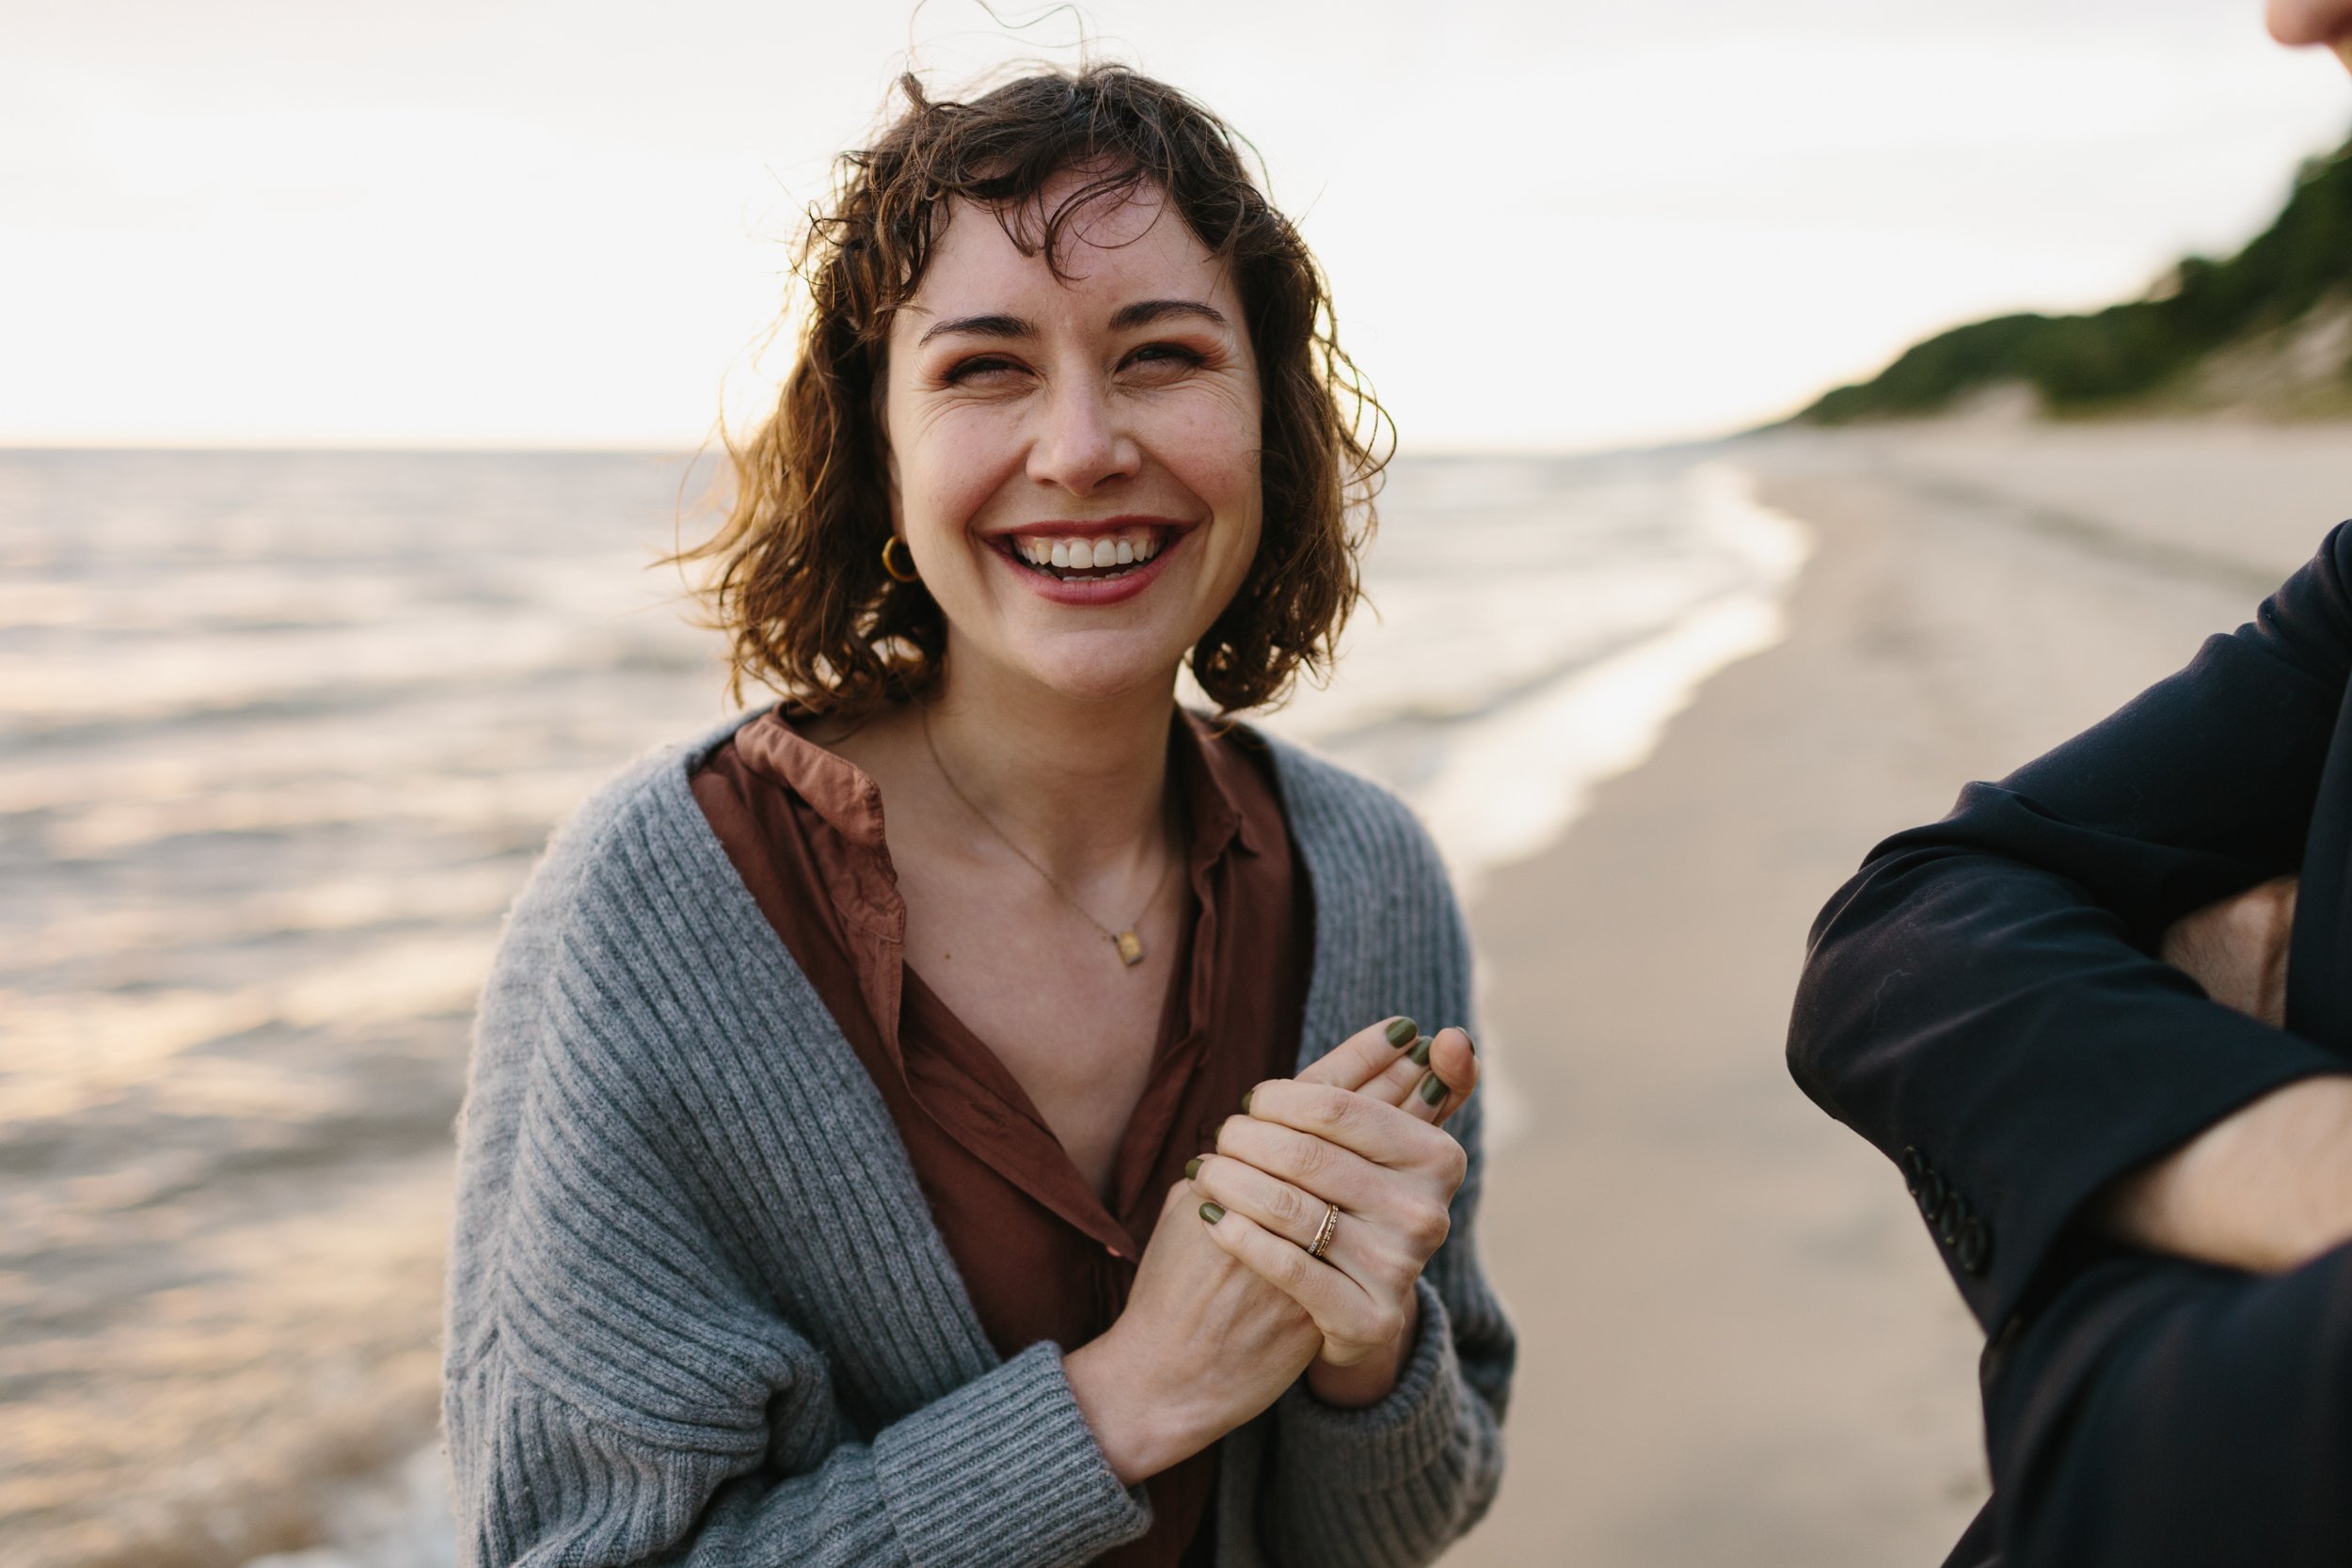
point(1739, 1343)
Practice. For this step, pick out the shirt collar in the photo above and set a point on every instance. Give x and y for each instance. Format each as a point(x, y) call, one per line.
point(835, 788)
point(1207, 756)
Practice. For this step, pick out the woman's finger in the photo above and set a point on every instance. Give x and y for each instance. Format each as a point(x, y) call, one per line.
point(1279, 1205)
point(1372, 1060)
point(1384, 1134)
point(1384, 1227)
point(1452, 1078)
point(1397, 1083)
point(1342, 1309)
point(1323, 1170)
point(1395, 1063)
point(1448, 1054)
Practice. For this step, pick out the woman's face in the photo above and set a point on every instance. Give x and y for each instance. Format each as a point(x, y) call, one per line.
point(1073, 462)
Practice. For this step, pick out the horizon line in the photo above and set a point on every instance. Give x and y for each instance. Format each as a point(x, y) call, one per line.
point(9, 447)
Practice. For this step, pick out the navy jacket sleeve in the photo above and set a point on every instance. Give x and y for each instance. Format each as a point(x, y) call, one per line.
point(1981, 1000)
point(2158, 1414)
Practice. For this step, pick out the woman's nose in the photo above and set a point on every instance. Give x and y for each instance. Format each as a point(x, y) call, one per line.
point(1084, 441)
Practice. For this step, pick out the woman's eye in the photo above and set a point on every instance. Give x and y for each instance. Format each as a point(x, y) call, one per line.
point(1165, 355)
point(981, 367)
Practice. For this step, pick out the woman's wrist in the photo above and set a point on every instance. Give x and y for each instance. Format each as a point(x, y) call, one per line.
point(1361, 1383)
point(1141, 1428)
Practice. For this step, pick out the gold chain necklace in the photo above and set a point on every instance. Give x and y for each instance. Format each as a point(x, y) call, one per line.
point(1127, 943)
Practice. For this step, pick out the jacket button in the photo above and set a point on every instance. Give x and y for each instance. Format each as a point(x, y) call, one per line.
point(1913, 1166)
point(1976, 1245)
point(1951, 1219)
point(1930, 1192)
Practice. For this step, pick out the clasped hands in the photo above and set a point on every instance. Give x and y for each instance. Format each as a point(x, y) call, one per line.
point(1228, 1308)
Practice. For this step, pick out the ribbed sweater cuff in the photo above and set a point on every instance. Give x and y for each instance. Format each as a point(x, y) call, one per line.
point(1005, 1472)
point(1402, 1436)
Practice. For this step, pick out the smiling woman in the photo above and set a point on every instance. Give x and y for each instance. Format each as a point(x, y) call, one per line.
point(829, 1194)
point(1025, 399)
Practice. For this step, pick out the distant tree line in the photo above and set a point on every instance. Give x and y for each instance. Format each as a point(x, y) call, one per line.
point(2127, 353)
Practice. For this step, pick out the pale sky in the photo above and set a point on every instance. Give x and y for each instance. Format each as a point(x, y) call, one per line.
point(1563, 226)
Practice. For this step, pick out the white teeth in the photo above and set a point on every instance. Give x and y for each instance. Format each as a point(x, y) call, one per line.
point(1096, 554)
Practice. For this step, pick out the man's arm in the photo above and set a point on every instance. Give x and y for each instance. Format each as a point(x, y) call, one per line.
point(2158, 1413)
point(1985, 1000)
point(2267, 1188)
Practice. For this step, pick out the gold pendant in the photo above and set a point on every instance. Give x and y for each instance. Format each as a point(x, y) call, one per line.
point(1130, 948)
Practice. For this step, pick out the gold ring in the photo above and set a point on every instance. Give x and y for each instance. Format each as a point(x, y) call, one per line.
point(1323, 1236)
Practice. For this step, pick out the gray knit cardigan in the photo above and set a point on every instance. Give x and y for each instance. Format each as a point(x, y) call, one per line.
point(699, 1312)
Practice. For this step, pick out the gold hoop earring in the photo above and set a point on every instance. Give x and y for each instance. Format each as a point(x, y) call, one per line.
point(890, 562)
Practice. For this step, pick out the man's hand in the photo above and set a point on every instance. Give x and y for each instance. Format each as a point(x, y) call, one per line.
point(2238, 949)
point(2269, 1187)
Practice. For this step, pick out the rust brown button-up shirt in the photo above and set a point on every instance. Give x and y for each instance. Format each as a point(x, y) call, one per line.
point(1043, 1256)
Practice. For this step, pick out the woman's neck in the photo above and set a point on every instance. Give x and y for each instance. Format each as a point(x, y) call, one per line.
point(1078, 784)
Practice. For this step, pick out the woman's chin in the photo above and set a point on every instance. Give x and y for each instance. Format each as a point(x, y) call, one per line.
point(1115, 659)
point(1112, 685)
point(1096, 668)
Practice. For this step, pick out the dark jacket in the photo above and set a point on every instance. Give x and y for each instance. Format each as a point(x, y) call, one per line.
point(1982, 1002)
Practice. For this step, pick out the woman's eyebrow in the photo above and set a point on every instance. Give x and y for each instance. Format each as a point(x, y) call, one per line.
point(1144, 312)
point(979, 327)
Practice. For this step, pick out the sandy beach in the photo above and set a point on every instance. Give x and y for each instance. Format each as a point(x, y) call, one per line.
point(1739, 1345)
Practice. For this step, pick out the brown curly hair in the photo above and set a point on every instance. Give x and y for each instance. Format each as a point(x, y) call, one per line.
point(799, 584)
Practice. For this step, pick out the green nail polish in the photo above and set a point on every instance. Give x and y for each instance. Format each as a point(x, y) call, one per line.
point(1192, 1167)
point(1246, 1099)
point(1420, 1051)
point(1401, 1032)
point(1433, 1088)
point(1212, 1212)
